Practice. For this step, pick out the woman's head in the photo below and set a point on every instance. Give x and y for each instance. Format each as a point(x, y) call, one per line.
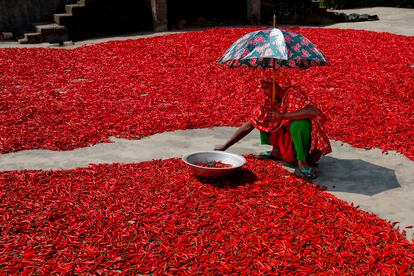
point(281, 78)
point(267, 87)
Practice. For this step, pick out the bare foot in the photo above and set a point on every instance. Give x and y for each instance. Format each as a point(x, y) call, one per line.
point(275, 153)
point(220, 148)
point(305, 170)
point(303, 165)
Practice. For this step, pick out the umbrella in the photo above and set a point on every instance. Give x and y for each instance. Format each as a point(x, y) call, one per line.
point(273, 48)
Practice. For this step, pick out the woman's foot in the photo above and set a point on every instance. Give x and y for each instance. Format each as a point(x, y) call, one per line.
point(306, 171)
point(313, 158)
point(268, 155)
point(273, 155)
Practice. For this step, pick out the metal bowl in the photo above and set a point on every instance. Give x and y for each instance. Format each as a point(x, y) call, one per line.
point(193, 158)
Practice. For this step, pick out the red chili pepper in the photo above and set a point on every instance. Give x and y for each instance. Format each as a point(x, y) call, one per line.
point(65, 99)
point(79, 221)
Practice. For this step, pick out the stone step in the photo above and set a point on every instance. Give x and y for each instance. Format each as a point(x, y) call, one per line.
point(31, 38)
point(53, 33)
point(34, 24)
point(85, 2)
point(62, 18)
point(74, 8)
point(56, 38)
point(50, 28)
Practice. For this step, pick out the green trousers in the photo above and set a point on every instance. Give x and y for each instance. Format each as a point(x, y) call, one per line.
point(301, 137)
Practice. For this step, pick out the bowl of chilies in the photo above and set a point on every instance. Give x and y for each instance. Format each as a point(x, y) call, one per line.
point(213, 164)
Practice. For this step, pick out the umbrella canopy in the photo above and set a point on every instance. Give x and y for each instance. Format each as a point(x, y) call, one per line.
point(273, 48)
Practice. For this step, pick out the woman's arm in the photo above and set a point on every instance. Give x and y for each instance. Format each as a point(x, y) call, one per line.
point(240, 133)
point(309, 112)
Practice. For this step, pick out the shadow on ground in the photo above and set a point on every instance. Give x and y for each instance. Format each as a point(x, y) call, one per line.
point(355, 176)
point(241, 178)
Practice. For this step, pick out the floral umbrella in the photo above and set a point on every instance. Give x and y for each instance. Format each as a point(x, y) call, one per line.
point(273, 48)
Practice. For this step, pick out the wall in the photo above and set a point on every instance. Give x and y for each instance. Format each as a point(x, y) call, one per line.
point(254, 11)
point(286, 11)
point(121, 16)
point(18, 16)
point(159, 15)
point(205, 12)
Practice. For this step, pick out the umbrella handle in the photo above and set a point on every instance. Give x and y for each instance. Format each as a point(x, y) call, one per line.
point(274, 70)
point(274, 83)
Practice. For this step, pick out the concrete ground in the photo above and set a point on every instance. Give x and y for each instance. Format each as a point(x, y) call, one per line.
point(379, 183)
point(392, 20)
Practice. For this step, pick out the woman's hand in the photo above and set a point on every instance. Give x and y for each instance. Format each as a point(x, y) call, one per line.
point(276, 115)
point(313, 112)
point(309, 112)
point(240, 133)
point(220, 148)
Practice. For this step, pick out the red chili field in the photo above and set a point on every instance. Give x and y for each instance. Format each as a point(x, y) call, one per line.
point(64, 99)
point(155, 217)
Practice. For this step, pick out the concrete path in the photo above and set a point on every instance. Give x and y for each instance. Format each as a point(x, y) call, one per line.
point(379, 183)
point(392, 20)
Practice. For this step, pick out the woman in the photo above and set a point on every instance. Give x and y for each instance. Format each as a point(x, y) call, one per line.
point(293, 126)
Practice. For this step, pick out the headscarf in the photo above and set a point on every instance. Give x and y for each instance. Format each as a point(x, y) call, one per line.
point(282, 78)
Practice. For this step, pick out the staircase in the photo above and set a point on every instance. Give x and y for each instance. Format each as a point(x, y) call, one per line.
point(57, 32)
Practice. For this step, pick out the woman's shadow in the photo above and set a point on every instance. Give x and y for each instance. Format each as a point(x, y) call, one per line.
point(355, 176)
point(338, 175)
